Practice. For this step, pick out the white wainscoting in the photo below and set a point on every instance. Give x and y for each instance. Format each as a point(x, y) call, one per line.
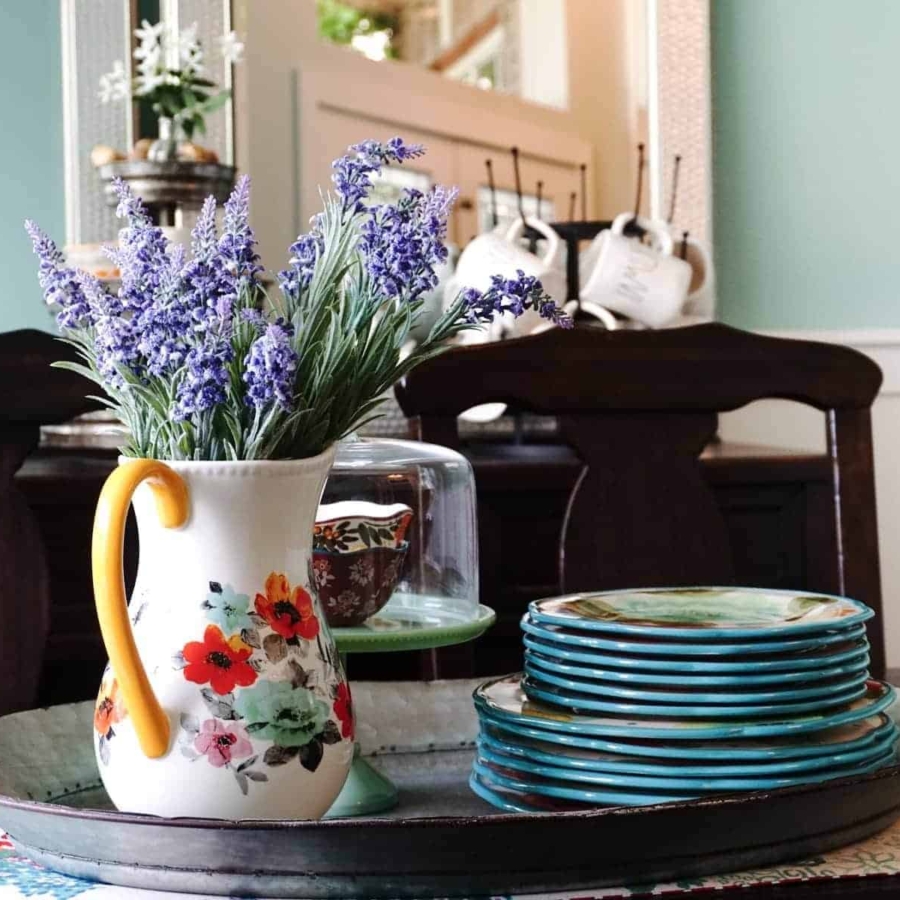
point(782, 423)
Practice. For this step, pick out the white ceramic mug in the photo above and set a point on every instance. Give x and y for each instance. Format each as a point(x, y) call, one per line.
point(645, 283)
point(550, 269)
point(499, 252)
point(659, 234)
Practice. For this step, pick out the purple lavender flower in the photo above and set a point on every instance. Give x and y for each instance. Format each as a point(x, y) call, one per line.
point(204, 238)
point(270, 367)
point(142, 255)
point(100, 301)
point(205, 376)
point(115, 349)
point(305, 252)
point(58, 282)
point(163, 326)
point(512, 295)
point(129, 206)
point(402, 243)
point(255, 318)
point(352, 172)
point(237, 243)
point(205, 282)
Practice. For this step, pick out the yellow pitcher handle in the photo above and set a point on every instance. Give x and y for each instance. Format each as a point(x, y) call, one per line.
point(151, 724)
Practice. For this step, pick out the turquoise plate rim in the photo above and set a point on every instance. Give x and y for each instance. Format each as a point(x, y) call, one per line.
point(687, 649)
point(694, 731)
point(721, 777)
point(489, 796)
point(682, 750)
point(638, 708)
point(625, 798)
point(537, 671)
point(806, 668)
point(863, 614)
point(584, 672)
point(702, 785)
point(600, 798)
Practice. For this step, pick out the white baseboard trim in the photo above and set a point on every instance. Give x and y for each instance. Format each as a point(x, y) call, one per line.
point(881, 344)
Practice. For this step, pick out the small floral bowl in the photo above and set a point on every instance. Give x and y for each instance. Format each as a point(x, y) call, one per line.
point(358, 553)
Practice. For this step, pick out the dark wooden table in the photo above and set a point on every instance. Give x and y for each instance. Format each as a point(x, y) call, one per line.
point(777, 506)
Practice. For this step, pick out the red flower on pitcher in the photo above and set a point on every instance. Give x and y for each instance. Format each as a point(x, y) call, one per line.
point(343, 709)
point(219, 661)
point(289, 613)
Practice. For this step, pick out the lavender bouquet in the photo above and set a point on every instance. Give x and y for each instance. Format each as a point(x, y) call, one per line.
point(199, 363)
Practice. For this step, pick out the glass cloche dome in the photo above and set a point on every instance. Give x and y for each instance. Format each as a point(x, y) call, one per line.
point(395, 544)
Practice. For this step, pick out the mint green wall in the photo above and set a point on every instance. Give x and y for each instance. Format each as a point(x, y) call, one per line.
point(806, 125)
point(806, 121)
point(31, 152)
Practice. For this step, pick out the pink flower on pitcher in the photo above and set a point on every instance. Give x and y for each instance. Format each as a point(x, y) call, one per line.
point(221, 743)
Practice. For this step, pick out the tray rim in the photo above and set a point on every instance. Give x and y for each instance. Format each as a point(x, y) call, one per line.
point(724, 799)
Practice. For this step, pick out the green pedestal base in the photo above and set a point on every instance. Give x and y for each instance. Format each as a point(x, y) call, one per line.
point(365, 792)
point(413, 624)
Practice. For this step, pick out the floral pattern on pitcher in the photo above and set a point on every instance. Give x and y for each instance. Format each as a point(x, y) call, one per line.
point(109, 710)
point(248, 665)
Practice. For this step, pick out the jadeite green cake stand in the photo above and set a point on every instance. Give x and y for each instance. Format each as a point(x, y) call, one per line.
point(410, 624)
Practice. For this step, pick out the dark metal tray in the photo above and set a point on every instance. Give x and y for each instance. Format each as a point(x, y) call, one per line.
point(442, 841)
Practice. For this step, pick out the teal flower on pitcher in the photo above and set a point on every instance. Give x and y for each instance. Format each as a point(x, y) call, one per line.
point(227, 609)
point(291, 717)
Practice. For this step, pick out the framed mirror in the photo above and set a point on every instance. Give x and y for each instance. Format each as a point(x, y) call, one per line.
point(574, 84)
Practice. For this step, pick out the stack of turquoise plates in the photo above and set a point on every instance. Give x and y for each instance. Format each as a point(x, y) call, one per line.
point(658, 695)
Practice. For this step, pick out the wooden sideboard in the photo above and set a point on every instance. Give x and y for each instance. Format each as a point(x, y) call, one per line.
point(777, 505)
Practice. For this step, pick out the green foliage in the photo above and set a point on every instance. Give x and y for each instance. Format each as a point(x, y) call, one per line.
point(340, 22)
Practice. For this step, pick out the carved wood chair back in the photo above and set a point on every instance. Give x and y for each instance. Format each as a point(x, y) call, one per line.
point(638, 407)
point(32, 393)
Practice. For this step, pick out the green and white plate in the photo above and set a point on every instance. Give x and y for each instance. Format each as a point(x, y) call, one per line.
point(662, 691)
point(504, 698)
point(702, 613)
point(656, 645)
point(537, 654)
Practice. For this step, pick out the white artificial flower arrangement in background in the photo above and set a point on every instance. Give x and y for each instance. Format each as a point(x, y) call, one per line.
point(170, 74)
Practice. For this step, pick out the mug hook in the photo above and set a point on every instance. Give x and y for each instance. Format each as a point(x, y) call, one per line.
point(584, 192)
point(515, 156)
point(490, 175)
point(640, 184)
point(675, 169)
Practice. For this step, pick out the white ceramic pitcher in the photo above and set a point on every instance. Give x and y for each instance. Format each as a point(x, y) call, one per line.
point(225, 696)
